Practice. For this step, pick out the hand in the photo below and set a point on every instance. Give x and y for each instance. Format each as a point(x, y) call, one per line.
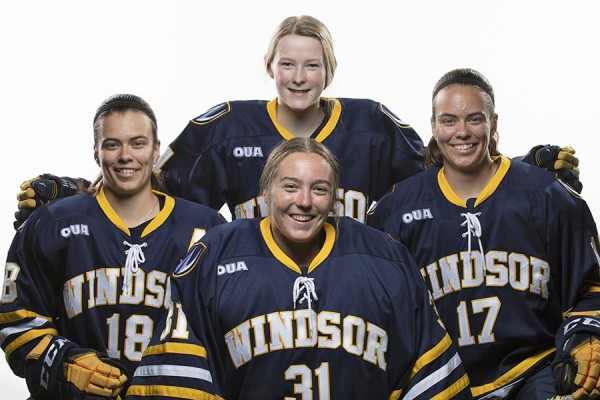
point(560, 160)
point(40, 190)
point(91, 375)
point(577, 370)
point(58, 368)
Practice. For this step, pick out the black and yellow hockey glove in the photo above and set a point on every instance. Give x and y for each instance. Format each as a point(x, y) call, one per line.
point(58, 368)
point(40, 190)
point(576, 367)
point(560, 160)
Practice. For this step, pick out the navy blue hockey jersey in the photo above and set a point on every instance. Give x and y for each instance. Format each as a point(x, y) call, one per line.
point(65, 268)
point(248, 323)
point(504, 268)
point(220, 155)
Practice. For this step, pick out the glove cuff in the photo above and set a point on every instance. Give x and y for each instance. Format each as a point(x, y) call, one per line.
point(530, 157)
point(44, 364)
point(573, 325)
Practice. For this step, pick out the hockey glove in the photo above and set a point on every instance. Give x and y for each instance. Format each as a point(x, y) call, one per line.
point(58, 368)
point(576, 368)
point(40, 190)
point(560, 160)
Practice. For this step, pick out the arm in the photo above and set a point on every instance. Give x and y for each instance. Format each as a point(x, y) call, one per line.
point(51, 365)
point(178, 363)
point(400, 160)
point(560, 160)
point(437, 371)
point(192, 166)
point(576, 366)
point(42, 189)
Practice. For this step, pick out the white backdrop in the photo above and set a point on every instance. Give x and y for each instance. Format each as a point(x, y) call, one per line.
point(60, 59)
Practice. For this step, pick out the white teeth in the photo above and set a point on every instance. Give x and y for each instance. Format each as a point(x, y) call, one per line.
point(126, 170)
point(463, 146)
point(302, 218)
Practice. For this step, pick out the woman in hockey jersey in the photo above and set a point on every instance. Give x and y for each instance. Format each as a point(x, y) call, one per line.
point(86, 277)
point(510, 254)
point(295, 305)
point(219, 156)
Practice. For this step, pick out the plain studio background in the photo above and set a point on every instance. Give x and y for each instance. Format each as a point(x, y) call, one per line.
point(60, 59)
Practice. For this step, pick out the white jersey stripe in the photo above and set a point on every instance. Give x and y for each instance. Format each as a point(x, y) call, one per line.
point(174, 370)
point(433, 378)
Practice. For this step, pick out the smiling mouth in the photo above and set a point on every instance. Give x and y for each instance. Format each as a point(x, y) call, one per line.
point(296, 91)
point(301, 218)
point(126, 171)
point(463, 146)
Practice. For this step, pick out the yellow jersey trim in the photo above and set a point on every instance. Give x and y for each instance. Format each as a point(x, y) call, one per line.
point(489, 189)
point(265, 228)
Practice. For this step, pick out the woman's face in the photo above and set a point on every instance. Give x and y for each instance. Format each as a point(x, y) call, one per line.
point(299, 72)
point(462, 127)
point(300, 199)
point(126, 153)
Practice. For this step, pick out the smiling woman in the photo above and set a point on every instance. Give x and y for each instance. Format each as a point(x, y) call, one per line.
point(338, 304)
point(298, 183)
point(514, 251)
point(86, 276)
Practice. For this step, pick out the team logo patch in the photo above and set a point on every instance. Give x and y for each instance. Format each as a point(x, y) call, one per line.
point(76, 230)
point(417, 215)
point(248, 151)
point(190, 260)
point(213, 113)
point(231, 268)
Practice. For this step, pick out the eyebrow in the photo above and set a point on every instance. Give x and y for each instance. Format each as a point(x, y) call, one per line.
point(316, 182)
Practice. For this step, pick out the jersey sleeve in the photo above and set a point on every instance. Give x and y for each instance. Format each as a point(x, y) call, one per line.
point(178, 363)
point(28, 302)
point(437, 370)
point(192, 166)
point(404, 158)
point(573, 244)
point(381, 215)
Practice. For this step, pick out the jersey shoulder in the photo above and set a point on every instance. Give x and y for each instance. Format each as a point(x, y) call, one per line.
point(526, 177)
point(371, 109)
point(81, 205)
point(233, 118)
point(355, 237)
point(189, 210)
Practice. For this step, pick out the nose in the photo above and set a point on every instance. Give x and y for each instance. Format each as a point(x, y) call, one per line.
point(463, 130)
point(304, 199)
point(299, 76)
point(125, 154)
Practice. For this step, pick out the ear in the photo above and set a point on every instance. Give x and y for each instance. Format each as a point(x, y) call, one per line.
point(156, 151)
point(494, 125)
point(433, 128)
point(96, 157)
point(270, 72)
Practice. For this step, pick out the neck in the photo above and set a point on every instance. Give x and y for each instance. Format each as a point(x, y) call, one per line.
point(134, 210)
point(301, 123)
point(300, 253)
point(470, 184)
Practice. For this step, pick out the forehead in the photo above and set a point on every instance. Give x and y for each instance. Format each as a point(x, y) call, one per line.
point(296, 46)
point(123, 124)
point(304, 166)
point(456, 99)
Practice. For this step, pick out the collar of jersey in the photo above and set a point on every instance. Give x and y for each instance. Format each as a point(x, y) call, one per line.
point(336, 112)
point(118, 222)
point(265, 229)
point(485, 193)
